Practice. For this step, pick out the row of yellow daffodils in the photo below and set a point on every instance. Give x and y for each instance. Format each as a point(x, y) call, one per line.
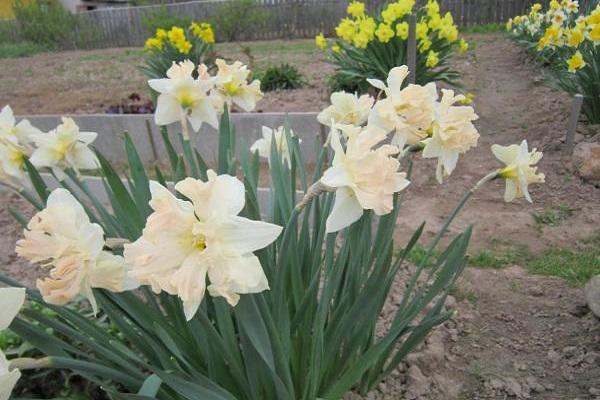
point(179, 38)
point(560, 29)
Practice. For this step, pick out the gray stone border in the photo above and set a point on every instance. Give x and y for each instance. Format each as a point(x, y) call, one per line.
point(149, 143)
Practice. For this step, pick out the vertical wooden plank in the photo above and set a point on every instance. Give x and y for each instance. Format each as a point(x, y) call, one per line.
point(573, 119)
point(412, 48)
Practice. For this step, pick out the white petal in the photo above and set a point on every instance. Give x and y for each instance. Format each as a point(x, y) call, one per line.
point(8, 380)
point(377, 83)
point(336, 176)
point(11, 301)
point(167, 111)
point(221, 195)
point(241, 235)
point(346, 210)
point(161, 85)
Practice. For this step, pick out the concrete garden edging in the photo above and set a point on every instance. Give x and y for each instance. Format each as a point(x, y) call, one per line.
point(146, 135)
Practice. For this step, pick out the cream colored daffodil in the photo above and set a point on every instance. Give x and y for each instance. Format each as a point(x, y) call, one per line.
point(520, 171)
point(453, 133)
point(346, 108)
point(184, 242)
point(63, 148)
point(363, 178)
point(263, 145)
point(233, 87)
point(11, 301)
point(62, 237)
point(12, 161)
point(9, 128)
point(182, 98)
point(407, 112)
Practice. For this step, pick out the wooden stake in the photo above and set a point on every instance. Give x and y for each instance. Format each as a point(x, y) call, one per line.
point(412, 48)
point(573, 119)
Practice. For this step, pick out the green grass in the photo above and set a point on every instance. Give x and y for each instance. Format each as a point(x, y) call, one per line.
point(22, 49)
point(484, 28)
point(552, 216)
point(417, 255)
point(461, 294)
point(575, 265)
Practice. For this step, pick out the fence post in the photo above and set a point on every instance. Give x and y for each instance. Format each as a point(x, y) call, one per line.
point(573, 119)
point(412, 48)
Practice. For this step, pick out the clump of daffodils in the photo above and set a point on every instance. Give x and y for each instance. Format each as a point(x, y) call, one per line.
point(195, 43)
point(365, 171)
point(191, 94)
point(559, 28)
point(570, 42)
point(182, 40)
point(367, 43)
point(63, 148)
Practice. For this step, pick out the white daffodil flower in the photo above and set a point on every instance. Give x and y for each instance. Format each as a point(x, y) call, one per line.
point(364, 178)
point(347, 109)
point(182, 98)
point(263, 145)
point(11, 301)
point(232, 85)
point(12, 161)
point(453, 133)
point(62, 236)
point(63, 148)
point(519, 172)
point(409, 112)
point(186, 241)
point(20, 131)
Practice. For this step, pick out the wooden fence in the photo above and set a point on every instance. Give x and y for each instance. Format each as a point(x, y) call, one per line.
point(123, 26)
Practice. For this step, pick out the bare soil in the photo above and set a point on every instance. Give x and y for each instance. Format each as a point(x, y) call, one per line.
point(515, 335)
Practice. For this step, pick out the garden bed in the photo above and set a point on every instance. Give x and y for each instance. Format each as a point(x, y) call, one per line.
point(515, 334)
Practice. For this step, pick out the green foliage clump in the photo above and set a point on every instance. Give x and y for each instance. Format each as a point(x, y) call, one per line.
point(235, 18)
point(281, 77)
point(161, 18)
point(49, 25)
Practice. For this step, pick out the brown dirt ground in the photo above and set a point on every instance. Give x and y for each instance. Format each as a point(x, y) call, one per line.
point(77, 82)
point(516, 335)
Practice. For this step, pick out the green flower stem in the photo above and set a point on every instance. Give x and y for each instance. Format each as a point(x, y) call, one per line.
point(414, 148)
point(489, 177)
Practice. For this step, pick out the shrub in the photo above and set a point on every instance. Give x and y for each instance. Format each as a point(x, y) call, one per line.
point(283, 76)
point(49, 25)
point(369, 46)
point(568, 44)
point(236, 18)
point(161, 18)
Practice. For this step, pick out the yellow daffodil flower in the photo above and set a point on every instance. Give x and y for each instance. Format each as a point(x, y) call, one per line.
point(576, 62)
point(320, 41)
point(356, 9)
point(402, 30)
point(384, 33)
point(432, 59)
